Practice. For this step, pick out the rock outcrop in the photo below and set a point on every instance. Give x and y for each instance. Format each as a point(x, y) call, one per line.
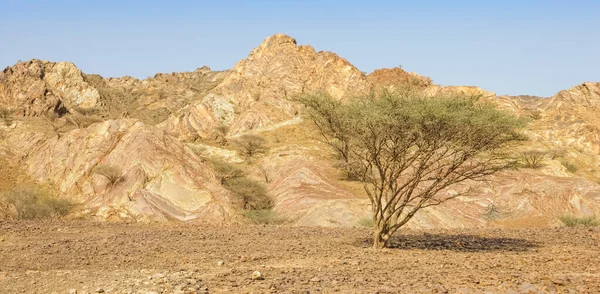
point(35, 87)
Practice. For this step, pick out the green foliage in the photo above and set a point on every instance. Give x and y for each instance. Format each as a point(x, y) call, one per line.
point(573, 221)
point(250, 146)
point(33, 202)
point(366, 222)
point(407, 146)
point(264, 217)
point(113, 174)
point(252, 194)
point(532, 159)
point(571, 167)
point(227, 171)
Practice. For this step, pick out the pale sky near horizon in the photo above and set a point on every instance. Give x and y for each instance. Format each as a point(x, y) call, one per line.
point(508, 47)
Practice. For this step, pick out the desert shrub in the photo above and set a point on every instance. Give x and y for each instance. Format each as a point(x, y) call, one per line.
point(86, 110)
point(35, 203)
point(82, 121)
point(113, 174)
point(249, 146)
point(219, 134)
point(535, 114)
point(5, 112)
point(532, 159)
point(227, 171)
point(264, 217)
point(252, 194)
point(573, 221)
point(572, 168)
point(366, 222)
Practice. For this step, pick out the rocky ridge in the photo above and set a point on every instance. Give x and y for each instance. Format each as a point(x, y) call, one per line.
point(153, 130)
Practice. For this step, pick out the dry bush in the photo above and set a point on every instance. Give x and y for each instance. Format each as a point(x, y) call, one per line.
point(264, 217)
point(32, 202)
point(249, 146)
point(219, 134)
point(6, 115)
point(265, 173)
point(571, 167)
point(573, 221)
point(533, 159)
point(82, 121)
point(5, 112)
point(113, 174)
point(86, 110)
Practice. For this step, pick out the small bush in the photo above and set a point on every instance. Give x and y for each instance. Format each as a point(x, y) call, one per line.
point(572, 168)
point(264, 217)
point(219, 134)
point(35, 203)
point(252, 194)
point(532, 159)
point(113, 174)
point(250, 146)
point(366, 222)
point(573, 221)
point(535, 114)
point(82, 121)
point(86, 110)
point(227, 171)
point(5, 112)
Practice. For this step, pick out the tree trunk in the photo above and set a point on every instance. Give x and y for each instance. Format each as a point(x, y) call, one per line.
point(380, 238)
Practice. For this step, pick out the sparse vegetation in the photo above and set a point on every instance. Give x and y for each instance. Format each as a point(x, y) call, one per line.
point(33, 202)
point(366, 222)
point(113, 174)
point(87, 111)
point(6, 115)
point(407, 147)
point(250, 193)
point(82, 121)
point(264, 217)
point(219, 134)
point(571, 167)
point(5, 112)
point(573, 221)
point(532, 159)
point(227, 171)
point(250, 146)
point(535, 114)
point(265, 173)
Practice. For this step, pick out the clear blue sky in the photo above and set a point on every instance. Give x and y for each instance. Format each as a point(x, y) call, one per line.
point(509, 47)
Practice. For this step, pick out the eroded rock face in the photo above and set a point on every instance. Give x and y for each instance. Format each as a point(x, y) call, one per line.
point(162, 179)
point(261, 87)
point(34, 87)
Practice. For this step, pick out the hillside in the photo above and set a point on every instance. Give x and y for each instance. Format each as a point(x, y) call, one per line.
point(163, 132)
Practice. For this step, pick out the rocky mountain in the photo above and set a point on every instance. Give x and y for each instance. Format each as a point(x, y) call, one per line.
point(160, 132)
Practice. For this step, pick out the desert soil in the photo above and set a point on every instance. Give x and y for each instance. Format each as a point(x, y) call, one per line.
point(91, 257)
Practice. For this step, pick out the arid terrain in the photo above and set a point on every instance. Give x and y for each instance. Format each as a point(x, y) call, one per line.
point(136, 176)
point(90, 257)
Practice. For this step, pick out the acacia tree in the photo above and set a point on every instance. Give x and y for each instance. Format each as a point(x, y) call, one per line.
point(249, 146)
point(409, 148)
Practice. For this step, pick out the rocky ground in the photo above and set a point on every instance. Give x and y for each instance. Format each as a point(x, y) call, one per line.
point(90, 257)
